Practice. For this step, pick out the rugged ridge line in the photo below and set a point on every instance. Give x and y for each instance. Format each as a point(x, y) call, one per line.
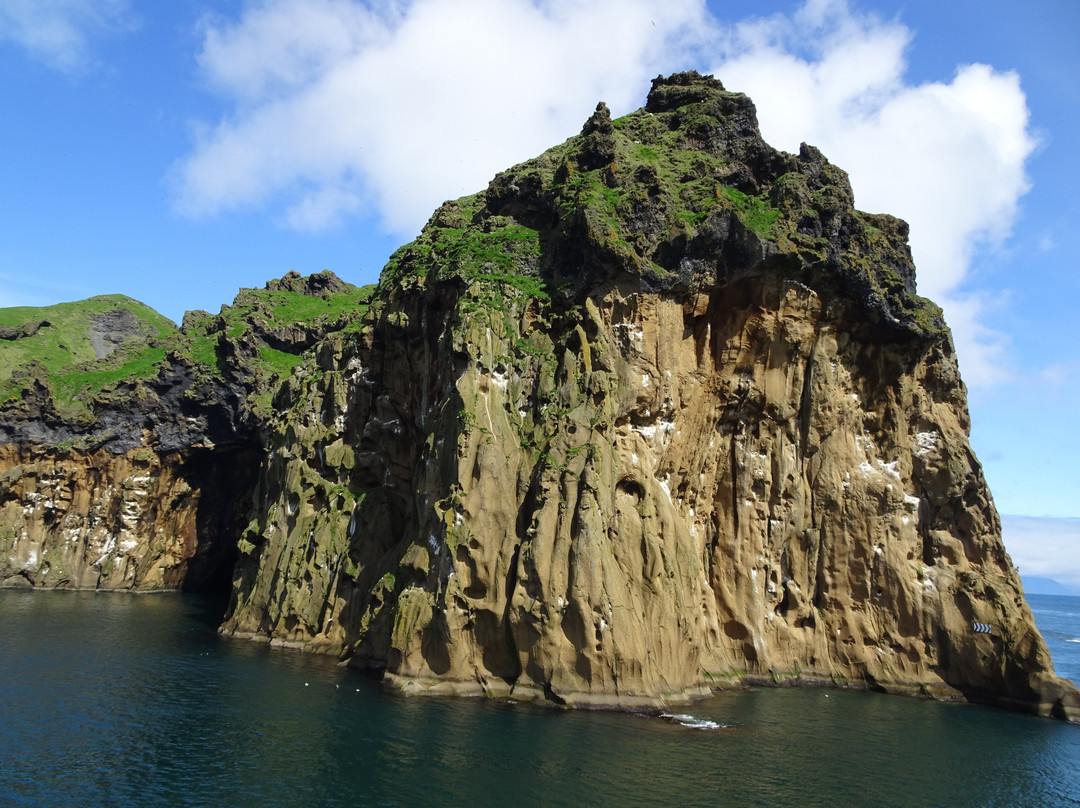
point(657, 412)
point(129, 448)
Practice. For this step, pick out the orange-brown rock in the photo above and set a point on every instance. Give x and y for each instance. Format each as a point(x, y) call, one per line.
point(656, 413)
point(135, 521)
point(659, 412)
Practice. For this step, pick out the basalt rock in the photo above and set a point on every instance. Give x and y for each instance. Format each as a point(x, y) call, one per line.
point(144, 481)
point(26, 330)
point(137, 521)
point(658, 412)
point(322, 284)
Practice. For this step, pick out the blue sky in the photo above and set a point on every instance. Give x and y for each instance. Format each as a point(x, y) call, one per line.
point(178, 151)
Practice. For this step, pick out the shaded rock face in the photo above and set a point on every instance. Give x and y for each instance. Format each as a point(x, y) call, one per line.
point(658, 412)
point(138, 521)
point(28, 330)
point(112, 329)
point(169, 413)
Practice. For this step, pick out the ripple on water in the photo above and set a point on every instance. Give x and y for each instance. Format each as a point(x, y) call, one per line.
point(121, 701)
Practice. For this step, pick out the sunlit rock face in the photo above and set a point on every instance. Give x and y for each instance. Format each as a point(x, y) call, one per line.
point(658, 412)
point(136, 521)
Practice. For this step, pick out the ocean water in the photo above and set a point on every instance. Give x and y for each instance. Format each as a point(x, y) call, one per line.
point(121, 700)
point(1058, 618)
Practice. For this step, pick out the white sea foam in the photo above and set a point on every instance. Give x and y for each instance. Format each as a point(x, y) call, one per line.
point(693, 722)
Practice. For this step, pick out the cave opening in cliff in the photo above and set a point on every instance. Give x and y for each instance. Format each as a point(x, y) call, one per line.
point(223, 481)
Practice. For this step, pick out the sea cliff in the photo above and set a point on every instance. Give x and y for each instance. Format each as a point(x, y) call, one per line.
point(657, 412)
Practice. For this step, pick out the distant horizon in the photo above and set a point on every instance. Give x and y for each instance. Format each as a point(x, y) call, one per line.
point(1041, 585)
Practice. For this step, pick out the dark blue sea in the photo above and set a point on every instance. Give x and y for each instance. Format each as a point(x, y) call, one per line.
point(123, 700)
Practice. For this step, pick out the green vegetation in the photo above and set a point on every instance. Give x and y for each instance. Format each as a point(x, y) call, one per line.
point(622, 200)
point(81, 347)
point(92, 350)
point(755, 211)
point(628, 197)
point(142, 364)
point(67, 340)
point(499, 255)
point(241, 334)
point(876, 256)
point(645, 154)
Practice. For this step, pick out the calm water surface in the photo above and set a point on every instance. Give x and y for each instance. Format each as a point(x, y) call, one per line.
point(120, 700)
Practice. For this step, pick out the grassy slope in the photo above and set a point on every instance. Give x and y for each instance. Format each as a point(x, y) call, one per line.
point(64, 354)
point(258, 311)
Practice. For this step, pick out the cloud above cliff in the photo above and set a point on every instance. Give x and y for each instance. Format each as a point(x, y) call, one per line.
point(337, 108)
point(340, 107)
point(60, 33)
point(949, 157)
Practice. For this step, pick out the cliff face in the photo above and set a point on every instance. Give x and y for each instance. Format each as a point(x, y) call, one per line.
point(656, 413)
point(138, 520)
point(128, 447)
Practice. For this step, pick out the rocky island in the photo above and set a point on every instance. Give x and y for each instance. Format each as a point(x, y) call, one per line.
point(658, 412)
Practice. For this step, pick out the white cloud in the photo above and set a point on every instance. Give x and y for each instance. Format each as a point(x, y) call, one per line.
point(1054, 377)
point(408, 104)
point(58, 32)
point(321, 207)
point(1045, 547)
point(947, 157)
point(340, 107)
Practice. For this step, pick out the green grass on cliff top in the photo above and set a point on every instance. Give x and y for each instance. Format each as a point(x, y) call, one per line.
point(65, 347)
point(659, 180)
point(63, 352)
point(655, 170)
point(261, 310)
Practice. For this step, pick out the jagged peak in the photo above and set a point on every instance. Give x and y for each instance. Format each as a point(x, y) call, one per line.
point(599, 121)
point(679, 89)
point(319, 284)
point(680, 195)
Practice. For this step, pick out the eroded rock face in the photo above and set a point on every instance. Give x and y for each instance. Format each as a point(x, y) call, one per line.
point(137, 521)
point(658, 412)
point(143, 480)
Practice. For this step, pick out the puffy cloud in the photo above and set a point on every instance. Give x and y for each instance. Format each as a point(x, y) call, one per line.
point(947, 157)
point(1045, 547)
point(58, 32)
point(406, 105)
point(341, 107)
